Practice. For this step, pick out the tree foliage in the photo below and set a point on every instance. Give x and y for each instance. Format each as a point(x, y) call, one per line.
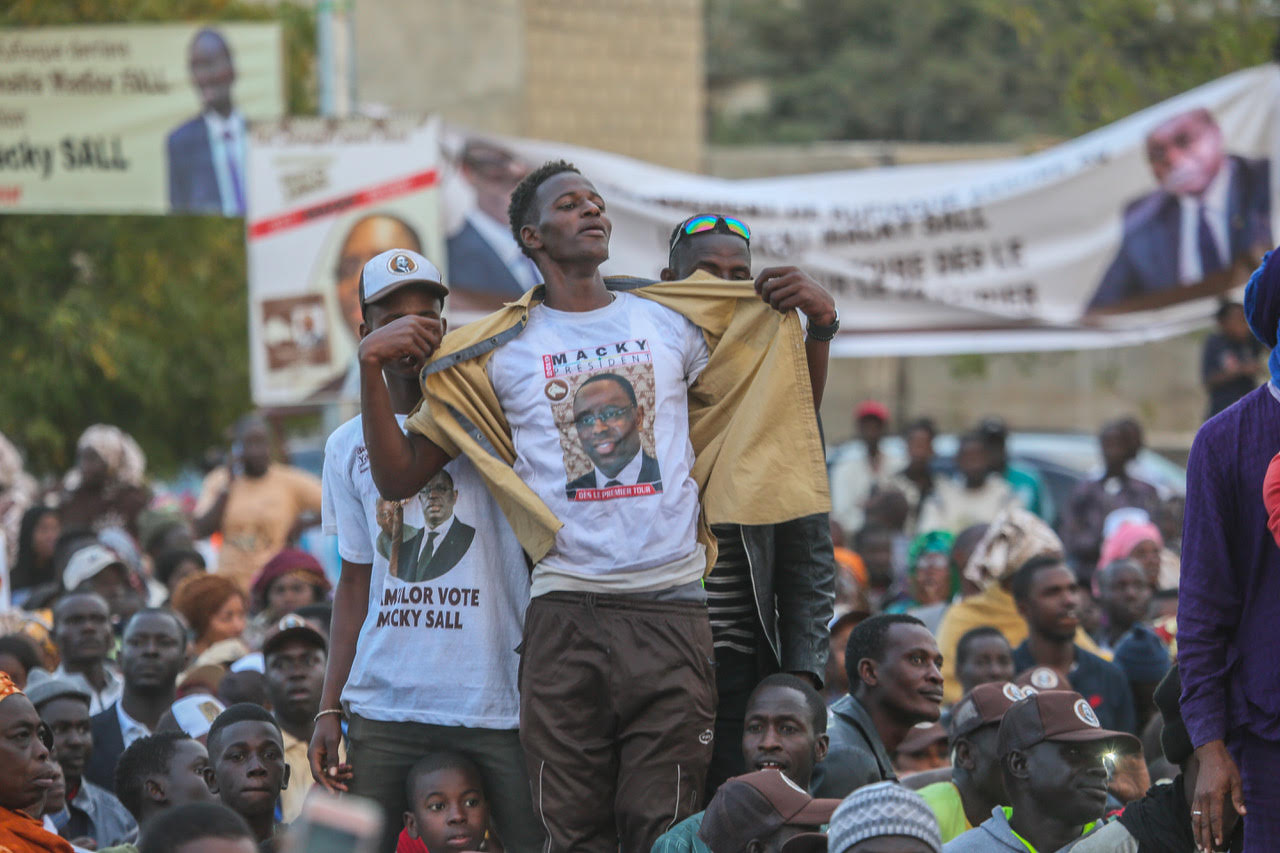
point(139, 321)
point(956, 70)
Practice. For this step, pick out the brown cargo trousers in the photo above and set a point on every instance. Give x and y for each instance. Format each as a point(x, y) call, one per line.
point(617, 712)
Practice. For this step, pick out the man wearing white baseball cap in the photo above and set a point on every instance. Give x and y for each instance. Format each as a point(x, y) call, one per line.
point(101, 570)
point(416, 666)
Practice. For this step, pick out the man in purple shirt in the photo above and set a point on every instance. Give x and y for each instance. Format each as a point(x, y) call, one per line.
point(1229, 603)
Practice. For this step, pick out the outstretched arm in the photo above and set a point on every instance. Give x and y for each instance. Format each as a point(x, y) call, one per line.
point(401, 464)
point(789, 288)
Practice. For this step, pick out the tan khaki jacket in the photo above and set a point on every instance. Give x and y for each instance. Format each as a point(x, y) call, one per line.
point(758, 450)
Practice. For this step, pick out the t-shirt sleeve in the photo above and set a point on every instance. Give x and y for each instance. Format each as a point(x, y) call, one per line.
point(696, 352)
point(341, 511)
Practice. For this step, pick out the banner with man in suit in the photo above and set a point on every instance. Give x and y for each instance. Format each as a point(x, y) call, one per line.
point(134, 118)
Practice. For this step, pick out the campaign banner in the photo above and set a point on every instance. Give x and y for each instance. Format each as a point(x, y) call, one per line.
point(326, 196)
point(133, 118)
point(1129, 233)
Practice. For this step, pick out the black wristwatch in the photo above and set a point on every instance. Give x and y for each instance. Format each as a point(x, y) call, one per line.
point(824, 334)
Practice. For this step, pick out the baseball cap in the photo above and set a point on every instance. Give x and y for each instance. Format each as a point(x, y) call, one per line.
point(1054, 715)
point(293, 627)
point(871, 409)
point(195, 714)
point(759, 804)
point(921, 736)
point(43, 687)
point(984, 705)
point(86, 563)
point(1039, 678)
point(391, 270)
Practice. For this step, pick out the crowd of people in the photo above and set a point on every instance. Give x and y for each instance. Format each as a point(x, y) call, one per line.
point(593, 596)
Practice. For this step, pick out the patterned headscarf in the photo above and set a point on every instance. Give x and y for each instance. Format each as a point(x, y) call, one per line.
point(124, 459)
point(7, 687)
point(1013, 538)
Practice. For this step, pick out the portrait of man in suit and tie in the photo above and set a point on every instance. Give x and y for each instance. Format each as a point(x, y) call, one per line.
point(206, 155)
point(1211, 210)
point(486, 266)
point(444, 538)
point(608, 419)
point(398, 542)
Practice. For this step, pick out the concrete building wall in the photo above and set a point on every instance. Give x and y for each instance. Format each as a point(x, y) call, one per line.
point(1069, 391)
point(623, 76)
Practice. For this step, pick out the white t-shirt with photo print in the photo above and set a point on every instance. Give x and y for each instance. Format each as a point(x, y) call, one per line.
point(607, 390)
point(439, 650)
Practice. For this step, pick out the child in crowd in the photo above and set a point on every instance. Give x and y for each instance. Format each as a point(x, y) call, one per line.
point(448, 808)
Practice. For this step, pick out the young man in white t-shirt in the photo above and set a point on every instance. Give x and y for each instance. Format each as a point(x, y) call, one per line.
point(616, 685)
point(423, 651)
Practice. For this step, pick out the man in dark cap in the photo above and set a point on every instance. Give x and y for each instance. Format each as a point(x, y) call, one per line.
point(1052, 753)
point(1161, 821)
point(977, 782)
point(763, 812)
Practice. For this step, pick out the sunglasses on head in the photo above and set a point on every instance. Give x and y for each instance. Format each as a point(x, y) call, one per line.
point(708, 223)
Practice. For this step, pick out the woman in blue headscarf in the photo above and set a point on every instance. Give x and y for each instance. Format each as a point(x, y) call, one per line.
point(1229, 603)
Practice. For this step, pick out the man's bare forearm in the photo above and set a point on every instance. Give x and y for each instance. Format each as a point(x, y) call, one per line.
point(817, 354)
point(350, 606)
point(400, 464)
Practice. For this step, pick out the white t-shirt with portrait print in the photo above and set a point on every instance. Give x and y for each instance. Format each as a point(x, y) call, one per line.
point(438, 643)
point(634, 530)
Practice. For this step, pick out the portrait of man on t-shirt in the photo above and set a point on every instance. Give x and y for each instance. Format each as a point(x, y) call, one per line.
point(609, 420)
point(444, 538)
point(397, 542)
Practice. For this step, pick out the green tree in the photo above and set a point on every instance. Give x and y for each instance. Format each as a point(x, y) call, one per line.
point(139, 321)
point(955, 70)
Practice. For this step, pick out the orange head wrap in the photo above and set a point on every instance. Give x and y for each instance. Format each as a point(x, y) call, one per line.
point(7, 687)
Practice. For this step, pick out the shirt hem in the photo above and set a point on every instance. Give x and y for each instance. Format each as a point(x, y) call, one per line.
point(396, 715)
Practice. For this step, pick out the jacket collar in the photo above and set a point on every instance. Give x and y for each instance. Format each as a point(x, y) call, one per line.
point(517, 317)
point(851, 710)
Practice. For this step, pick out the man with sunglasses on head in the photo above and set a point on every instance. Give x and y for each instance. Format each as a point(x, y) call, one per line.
point(770, 593)
point(616, 683)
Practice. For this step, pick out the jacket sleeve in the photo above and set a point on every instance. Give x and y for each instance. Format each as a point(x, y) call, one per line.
point(804, 587)
point(1208, 598)
point(846, 768)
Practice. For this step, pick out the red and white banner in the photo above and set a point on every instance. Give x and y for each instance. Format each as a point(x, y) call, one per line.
point(325, 197)
point(1129, 233)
